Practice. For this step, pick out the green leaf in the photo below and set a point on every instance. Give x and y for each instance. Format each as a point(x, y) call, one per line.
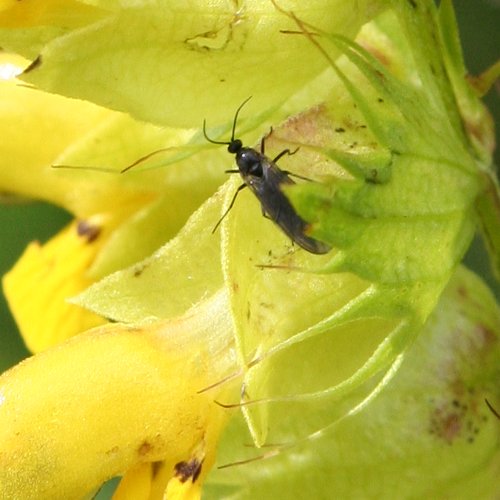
point(488, 209)
point(399, 227)
point(475, 117)
point(188, 57)
point(180, 274)
point(402, 232)
point(479, 128)
point(427, 434)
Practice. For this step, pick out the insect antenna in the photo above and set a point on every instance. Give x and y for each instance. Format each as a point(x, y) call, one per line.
point(236, 116)
point(226, 143)
point(208, 138)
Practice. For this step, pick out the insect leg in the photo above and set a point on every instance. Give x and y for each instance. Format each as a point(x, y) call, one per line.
point(291, 174)
point(263, 141)
point(229, 208)
point(265, 215)
point(285, 152)
point(287, 172)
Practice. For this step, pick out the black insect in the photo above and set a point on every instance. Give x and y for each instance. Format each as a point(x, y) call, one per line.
point(265, 179)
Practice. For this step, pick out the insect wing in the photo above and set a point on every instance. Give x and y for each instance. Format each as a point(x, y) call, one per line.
point(278, 208)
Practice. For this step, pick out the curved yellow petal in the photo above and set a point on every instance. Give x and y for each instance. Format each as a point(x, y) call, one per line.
point(38, 286)
point(106, 401)
point(136, 484)
point(179, 489)
point(49, 127)
point(156, 482)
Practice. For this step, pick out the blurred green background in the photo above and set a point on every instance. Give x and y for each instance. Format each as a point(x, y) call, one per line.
point(479, 22)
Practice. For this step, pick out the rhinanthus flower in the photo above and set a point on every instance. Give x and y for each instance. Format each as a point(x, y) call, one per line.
point(234, 363)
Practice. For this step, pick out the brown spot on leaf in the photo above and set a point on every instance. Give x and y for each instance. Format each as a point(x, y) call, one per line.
point(459, 418)
point(139, 269)
point(446, 424)
point(188, 470)
point(87, 230)
point(486, 336)
point(310, 124)
point(378, 54)
point(145, 448)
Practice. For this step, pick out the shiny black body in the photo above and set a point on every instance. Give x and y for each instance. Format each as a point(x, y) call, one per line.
point(266, 180)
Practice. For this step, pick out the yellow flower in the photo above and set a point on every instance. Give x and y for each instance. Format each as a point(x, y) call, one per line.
point(113, 399)
point(119, 220)
point(44, 278)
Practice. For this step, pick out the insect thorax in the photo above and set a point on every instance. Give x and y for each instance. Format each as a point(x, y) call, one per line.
point(250, 162)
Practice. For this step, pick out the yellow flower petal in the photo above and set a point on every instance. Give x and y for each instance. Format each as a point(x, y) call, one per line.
point(48, 128)
point(221, 42)
point(136, 484)
point(113, 398)
point(45, 276)
point(181, 489)
point(66, 13)
point(45, 125)
point(155, 481)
